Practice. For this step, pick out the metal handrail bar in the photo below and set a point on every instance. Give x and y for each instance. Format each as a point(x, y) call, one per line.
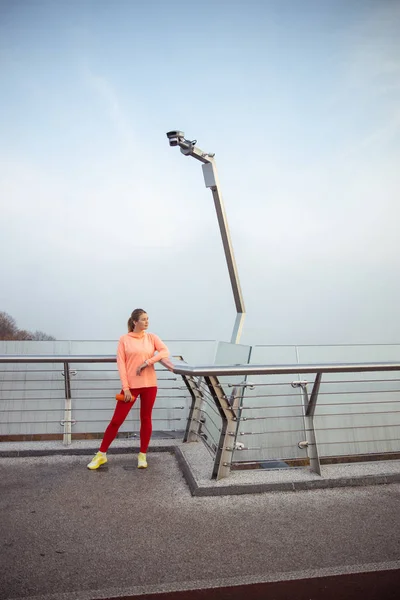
point(134, 419)
point(37, 410)
point(220, 371)
point(103, 388)
point(58, 358)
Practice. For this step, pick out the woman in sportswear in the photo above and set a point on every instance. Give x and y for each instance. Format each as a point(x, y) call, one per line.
point(135, 358)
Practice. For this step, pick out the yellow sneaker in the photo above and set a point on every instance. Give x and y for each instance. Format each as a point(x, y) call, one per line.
point(99, 459)
point(142, 462)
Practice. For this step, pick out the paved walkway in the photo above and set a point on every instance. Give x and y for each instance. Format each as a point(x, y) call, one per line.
point(67, 532)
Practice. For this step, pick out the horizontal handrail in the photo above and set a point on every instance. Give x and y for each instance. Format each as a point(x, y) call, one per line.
point(182, 368)
point(219, 371)
point(57, 358)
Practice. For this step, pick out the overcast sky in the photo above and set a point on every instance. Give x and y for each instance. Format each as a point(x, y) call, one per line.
point(300, 101)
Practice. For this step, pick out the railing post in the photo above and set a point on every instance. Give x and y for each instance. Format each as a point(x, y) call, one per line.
point(313, 446)
point(67, 407)
point(194, 418)
point(223, 457)
point(309, 410)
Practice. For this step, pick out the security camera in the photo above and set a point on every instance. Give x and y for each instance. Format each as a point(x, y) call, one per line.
point(175, 137)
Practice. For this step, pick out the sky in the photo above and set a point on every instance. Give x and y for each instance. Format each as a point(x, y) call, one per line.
point(300, 101)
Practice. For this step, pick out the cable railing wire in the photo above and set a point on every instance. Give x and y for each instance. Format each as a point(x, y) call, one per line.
point(317, 415)
point(75, 410)
point(205, 442)
point(270, 448)
point(208, 417)
point(212, 408)
point(341, 428)
point(204, 427)
point(274, 406)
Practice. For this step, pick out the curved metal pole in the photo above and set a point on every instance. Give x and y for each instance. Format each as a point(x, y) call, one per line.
point(188, 148)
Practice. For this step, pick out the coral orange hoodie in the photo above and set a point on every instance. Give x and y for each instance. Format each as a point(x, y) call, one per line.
point(133, 350)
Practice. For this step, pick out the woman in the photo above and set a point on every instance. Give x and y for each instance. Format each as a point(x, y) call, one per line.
point(135, 359)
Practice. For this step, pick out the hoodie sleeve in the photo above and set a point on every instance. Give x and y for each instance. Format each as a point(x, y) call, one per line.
point(162, 351)
point(121, 362)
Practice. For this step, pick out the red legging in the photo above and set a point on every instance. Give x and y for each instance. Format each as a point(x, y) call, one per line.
point(147, 399)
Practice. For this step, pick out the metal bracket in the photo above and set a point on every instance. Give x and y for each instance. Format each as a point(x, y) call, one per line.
point(243, 384)
point(302, 384)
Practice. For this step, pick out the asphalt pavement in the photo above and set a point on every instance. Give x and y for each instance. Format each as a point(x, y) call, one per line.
point(68, 533)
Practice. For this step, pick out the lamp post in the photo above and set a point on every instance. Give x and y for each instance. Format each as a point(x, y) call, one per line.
point(189, 148)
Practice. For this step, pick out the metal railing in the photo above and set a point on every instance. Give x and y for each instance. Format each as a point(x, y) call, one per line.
point(301, 421)
point(69, 394)
point(269, 415)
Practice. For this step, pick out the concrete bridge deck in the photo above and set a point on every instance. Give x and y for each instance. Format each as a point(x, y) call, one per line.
point(70, 533)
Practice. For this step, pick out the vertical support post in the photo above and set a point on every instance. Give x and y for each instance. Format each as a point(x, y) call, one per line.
point(223, 457)
point(193, 425)
point(309, 410)
point(67, 407)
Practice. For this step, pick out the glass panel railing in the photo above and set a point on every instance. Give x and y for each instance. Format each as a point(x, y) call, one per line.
point(357, 413)
point(272, 418)
point(226, 354)
point(198, 352)
point(31, 347)
point(232, 354)
point(195, 351)
point(93, 389)
point(32, 400)
point(29, 408)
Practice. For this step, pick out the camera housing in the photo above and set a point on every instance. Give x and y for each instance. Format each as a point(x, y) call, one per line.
point(175, 137)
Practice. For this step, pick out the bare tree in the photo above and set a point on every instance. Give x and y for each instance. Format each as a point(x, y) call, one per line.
point(10, 331)
point(23, 334)
point(39, 336)
point(8, 326)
